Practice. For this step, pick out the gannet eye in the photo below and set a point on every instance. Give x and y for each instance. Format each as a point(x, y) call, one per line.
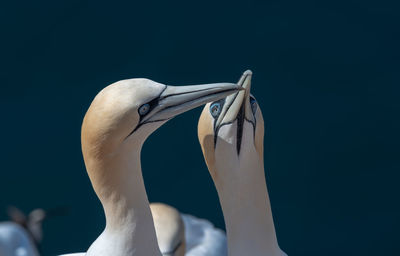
point(215, 109)
point(253, 104)
point(144, 109)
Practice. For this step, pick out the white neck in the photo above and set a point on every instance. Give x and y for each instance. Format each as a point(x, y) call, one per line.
point(245, 203)
point(118, 182)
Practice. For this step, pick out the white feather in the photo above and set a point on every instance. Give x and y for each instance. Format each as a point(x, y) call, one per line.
point(202, 238)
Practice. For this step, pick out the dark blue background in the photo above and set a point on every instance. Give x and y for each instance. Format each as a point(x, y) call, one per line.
point(326, 74)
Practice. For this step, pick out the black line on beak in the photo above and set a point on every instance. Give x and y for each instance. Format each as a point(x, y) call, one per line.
point(153, 103)
point(169, 107)
point(216, 129)
point(181, 93)
point(240, 120)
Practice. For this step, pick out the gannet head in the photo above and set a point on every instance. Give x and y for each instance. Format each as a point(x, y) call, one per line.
point(232, 128)
point(128, 111)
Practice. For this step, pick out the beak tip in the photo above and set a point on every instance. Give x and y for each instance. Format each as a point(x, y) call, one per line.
point(247, 73)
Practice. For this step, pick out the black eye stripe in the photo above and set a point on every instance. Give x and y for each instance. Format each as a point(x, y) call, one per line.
point(222, 103)
point(253, 104)
point(152, 104)
point(240, 118)
point(215, 109)
point(221, 106)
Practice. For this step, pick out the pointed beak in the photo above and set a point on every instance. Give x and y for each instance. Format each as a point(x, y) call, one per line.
point(238, 104)
point(237, 108)
point(176, 100)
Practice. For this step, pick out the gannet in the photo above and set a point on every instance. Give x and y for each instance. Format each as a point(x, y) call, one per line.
point(181, 234)
point(231, 133)
point(117, 123)
point(170, 229)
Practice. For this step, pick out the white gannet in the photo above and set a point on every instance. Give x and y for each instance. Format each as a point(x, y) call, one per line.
point(231, 134)
point(181, 234)
point(114, 129)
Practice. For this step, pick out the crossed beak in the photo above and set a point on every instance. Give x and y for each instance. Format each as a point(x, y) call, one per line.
point(176, 100)
point(237, 108)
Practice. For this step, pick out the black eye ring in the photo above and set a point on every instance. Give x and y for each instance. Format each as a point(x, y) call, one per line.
point(253, 104)
point(215, 109)
point(144, 109)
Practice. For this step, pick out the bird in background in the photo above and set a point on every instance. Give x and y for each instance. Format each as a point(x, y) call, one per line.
point(23, 234)
point(116, 125)
point(180, 234)
point(231, 135)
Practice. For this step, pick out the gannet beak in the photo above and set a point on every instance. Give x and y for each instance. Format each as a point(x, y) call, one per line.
point(237, 106)
point(175, 100)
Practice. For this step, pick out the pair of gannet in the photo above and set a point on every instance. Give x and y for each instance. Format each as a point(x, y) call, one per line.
point(231, 134)
point(230, 131)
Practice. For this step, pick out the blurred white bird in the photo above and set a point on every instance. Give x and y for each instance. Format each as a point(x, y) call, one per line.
point(22, 235)
point(15, 241)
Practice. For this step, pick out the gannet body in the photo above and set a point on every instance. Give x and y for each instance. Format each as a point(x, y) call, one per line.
point(114, 129)
point(231, 133)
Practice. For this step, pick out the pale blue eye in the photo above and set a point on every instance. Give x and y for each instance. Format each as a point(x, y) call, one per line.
point(215, 109)
point(144, 109)
point(253, 104)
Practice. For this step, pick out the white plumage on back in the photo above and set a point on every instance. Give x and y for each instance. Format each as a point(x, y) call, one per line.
point(202, 238)
point(182, 234)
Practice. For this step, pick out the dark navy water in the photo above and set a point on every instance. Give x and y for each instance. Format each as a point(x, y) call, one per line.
point(326, 75)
